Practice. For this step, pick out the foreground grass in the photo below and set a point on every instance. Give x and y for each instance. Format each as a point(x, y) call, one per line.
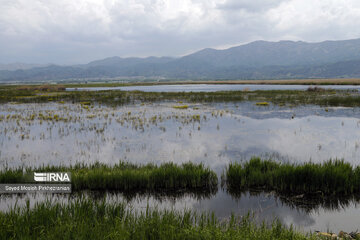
point(330, 178)
point(86, 219)
point(127, 177)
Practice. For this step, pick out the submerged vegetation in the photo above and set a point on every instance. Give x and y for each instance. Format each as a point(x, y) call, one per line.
point(86, 219)
point(128, 177)
point(334, 177)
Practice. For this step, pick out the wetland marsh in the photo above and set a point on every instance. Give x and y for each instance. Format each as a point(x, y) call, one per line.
point(206, 132)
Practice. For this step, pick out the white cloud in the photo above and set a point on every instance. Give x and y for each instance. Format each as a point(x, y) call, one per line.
point(317, 20)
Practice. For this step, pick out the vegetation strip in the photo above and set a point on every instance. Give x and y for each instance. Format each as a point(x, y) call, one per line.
point(128, 177)
point(43, 94)
point(87, 219)
point(334, 177)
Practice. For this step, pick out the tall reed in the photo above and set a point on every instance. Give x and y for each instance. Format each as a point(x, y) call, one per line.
point(126, 176)
point(333, 177)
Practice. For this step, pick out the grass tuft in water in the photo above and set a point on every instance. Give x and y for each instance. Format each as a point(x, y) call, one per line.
point(181, 107)
point(127, 177)
point(334, 177)
point(262, 104)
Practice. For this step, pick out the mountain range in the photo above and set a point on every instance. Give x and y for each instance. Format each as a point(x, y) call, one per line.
point(256, 60)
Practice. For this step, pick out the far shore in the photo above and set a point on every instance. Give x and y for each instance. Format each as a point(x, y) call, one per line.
point(340, 81)
point(149, 82)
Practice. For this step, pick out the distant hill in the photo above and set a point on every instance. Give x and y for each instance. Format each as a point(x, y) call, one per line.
point(256, 60)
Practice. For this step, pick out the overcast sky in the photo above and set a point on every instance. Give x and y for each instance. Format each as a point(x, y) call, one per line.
point(79, 31)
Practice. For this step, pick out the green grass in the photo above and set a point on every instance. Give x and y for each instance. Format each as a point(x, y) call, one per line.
point(332, 178)
point(128, 177)
point(87, 219)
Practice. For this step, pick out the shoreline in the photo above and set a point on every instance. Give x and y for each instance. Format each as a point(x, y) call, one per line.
point(118, 83)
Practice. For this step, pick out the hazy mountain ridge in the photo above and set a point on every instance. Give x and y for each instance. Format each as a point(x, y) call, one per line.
point(256, 60)
point(116, 61)
point(283, 53)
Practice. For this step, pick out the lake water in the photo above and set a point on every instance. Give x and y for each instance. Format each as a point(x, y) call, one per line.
point(212, 87)
point(214, 134)
point(159, 133)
